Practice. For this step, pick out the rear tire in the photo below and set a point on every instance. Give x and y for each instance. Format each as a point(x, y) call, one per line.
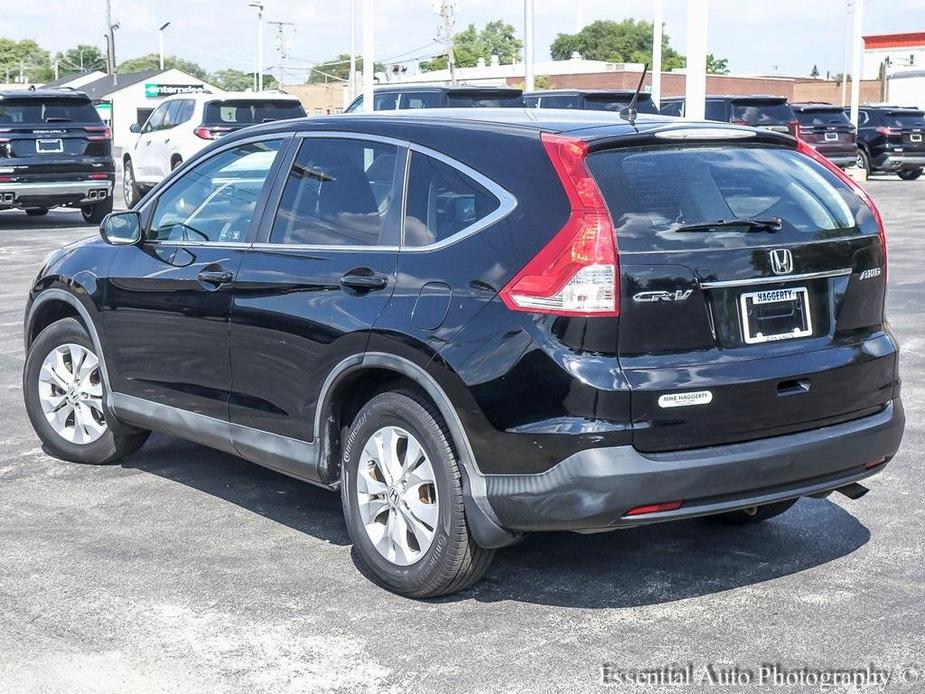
point(37, 211)
point(864, 161)
point(909, 174)
point(96, 213)
point(390, 523)
point(755, 514)
point(81, 434)
point(131, 193)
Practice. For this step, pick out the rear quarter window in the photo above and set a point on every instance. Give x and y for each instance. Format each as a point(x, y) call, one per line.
point(651, 192)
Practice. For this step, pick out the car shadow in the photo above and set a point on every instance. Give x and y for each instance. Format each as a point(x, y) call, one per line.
point(17, 220)
point(626, 568)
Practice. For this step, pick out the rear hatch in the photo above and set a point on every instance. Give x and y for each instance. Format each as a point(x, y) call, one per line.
point(484, 98)
point(768, 113)
point(827, 129)
point(904, 131)
point(731, 332)
point(223, 116)
point(45, 137)
point(617, 102)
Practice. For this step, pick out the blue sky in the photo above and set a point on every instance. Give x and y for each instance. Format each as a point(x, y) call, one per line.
point(785, 37)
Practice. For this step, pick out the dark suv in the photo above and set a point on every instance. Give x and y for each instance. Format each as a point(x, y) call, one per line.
point(54, 151)
point(826, 129)
point(615, 100)
point(765, 112)
point(892, 138)
point(479, 324)
point(413, 96)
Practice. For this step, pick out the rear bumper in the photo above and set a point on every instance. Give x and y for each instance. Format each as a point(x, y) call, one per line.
point(594, 489)
point(49, 193)
point(900, 161)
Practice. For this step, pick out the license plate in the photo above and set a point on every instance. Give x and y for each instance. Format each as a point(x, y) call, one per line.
point(49, 146)
point(775, 314)
point(831, 137)
point(915, 137)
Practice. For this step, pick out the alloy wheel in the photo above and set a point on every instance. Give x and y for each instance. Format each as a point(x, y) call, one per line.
point(71, 393)
point(397, 495)
point(128, 185)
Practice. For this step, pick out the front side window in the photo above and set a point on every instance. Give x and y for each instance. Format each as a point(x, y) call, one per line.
point(172, 115)
point(340, 192)
point(156, 119)
point(215, 201)
point(442, 201)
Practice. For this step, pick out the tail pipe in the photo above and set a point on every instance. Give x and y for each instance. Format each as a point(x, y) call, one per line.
point(853, 490)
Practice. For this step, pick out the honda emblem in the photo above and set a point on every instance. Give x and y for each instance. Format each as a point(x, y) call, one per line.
point(781, 261)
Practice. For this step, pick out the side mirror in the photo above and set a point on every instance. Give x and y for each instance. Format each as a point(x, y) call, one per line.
point(135, 128)
point(121, 228)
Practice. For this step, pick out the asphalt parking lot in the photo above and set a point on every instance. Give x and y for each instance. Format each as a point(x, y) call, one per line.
point(183, 569)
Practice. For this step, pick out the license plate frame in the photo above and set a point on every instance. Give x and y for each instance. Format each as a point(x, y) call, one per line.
point(915, 137)
point(50, 146)
point(796, 297)
point(831, 137)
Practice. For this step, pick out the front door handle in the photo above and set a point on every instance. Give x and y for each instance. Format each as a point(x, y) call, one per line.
point(364, 281)
point(215, 277)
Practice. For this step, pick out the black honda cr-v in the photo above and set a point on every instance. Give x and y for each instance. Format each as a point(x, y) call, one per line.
point(479, 324)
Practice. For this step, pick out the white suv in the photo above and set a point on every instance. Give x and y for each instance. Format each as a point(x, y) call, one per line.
point(182, 125)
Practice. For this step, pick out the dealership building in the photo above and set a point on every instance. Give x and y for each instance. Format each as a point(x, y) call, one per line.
point(124, 99)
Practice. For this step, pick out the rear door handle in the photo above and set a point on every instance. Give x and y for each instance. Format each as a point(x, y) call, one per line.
point(364, 281)
point(215, 277)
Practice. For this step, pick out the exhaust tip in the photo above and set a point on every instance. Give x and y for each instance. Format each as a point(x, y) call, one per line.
point(853, 490)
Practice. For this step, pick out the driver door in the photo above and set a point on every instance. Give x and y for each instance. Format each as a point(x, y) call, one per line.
point(168, 299)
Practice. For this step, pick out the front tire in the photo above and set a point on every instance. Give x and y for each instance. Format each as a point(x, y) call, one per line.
point(909, 174)
point(864, 162)
point(402, 496)
point(96, 213)
point(64, 393)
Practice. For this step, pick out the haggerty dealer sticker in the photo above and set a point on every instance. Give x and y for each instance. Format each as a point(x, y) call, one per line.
point(697, 397)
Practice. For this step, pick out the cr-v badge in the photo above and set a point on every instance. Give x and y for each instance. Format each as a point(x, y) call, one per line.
point(648, 297)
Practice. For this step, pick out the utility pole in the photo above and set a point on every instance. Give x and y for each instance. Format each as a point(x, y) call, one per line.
point(160, 34)
point(696, 78)
point(110, 40)
point(658, 19)
point(369, 60)
point(846, 51)
point(281, 47)
point(258, 73)
point(56, 70)
point(352, 82)
point(857, 60)
point(529, 80)
point(448, 15)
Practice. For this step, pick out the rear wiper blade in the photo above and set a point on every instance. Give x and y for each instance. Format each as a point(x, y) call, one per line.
point(772, 225)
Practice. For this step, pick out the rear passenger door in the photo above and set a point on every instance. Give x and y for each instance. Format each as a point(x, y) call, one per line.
point(307, 295)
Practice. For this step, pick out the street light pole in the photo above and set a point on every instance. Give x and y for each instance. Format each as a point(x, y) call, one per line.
point(658, 19)
point(353, 50)
point(696, 79)
point(369, 61)
point(857, 60)
point(529, 80)
point(258, 81)
point(160, 34)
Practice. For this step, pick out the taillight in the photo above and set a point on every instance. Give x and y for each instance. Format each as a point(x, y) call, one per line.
point(806, 149)
point(98, 132)
point(204, 133)
point(889, 131)
point(577, 272)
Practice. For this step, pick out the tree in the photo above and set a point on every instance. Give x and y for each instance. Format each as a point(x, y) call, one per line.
point(814, 73)
point(629, 41)
point(153, 61)
point(495, 38)
point(717, 66)
point(26, 56)
point(233, 80)
point(81, 58)
point(338, 69)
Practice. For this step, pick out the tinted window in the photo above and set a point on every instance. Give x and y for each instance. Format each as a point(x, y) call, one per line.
point(652, 192)
point(215, 200)
point(171, 117)
point(156, 119)
point(906, 119)
point(385, 101)
point(762, 112)
point(671, 109)
point(483, 101)
point(244, 112)
point(531, 101)
point(13, 111)
point(823, 117)
point(442, 201)
point(186, 111)
point(560, 102)
point(420, 100)
point(643, 104)
point(716, 110)
point(339, 193)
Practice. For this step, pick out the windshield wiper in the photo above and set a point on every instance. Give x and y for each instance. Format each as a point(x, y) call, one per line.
point(772, 225)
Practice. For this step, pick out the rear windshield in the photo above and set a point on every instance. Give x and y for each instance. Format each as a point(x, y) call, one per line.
point(643, 104)
point(652, 192)
point(762, 112)
point(35, 110)
point(835, 116)
point(243, 112)
point(907, 119)
point(483, 101)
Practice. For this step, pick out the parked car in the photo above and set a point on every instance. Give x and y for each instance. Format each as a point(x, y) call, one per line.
point(615, 100)
point(182, 125)
point(480, 324)
point(765, 112)
point(826, 129)
point(892, 138)
point(412, 96)
point(55, 151)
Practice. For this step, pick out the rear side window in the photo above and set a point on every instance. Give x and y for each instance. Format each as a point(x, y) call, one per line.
point(186, 111)
point(385, 101)
point(823, 117)
point(340, 192)
point(561, 102)
point(442, 201)
point(762, 112)
point(245, 112)
point(652, 192)
point(716, 110)
point(35, 110)
point(420, 100)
